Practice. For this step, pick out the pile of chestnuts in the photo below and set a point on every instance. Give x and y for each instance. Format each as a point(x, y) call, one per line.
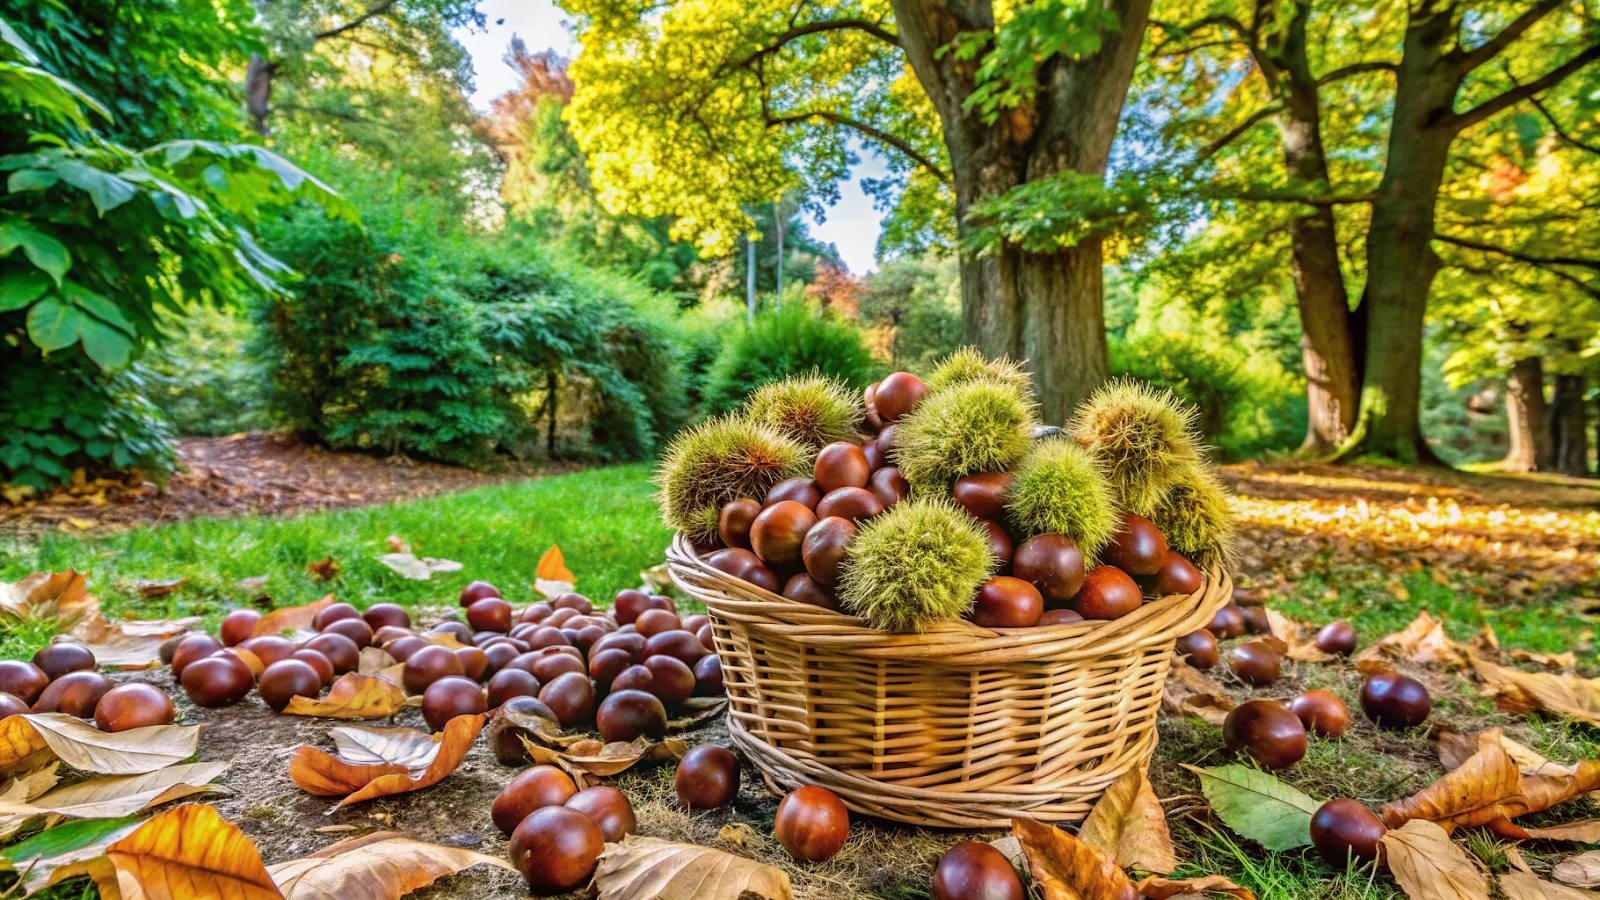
point(62, 678)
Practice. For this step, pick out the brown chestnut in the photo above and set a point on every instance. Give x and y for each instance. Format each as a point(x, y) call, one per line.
point(553, 662)
point(57, 660)
point(238, 626)
point(973, 870)
point(840, 465)
point(490, 614)
point(1255, 663)
point(733, 523)
point(576, 602)
point(655, 621)
point(75, 693)
point(556, 849)
point(1337, 638)
point(628, 715)
point(1256, 621)
point(345, 655)
point(812, 824)
point(671, 679)
point(745, 566)
point(474, 662)
point(461, 633)
point(427, 665)
point(677, 643)
point(707, 777)
point(12, 705)
point(287, 679)
point(191, 648)
point(316, 661)
point(999, 541)
point(802, 588)
point(897, 394)
point(984, 495)
point(476, 591)
point(708, 677)
point(609, 808)
point(571, 697)
point(1345, 831)
point(1201, 648)
point(1177, 576)
point(1267, 730)
point(23, 680)
point(212, 682)
point(508, 683)
point(889, 486)
point(332, 613)
point(1053, 564)
point(136, 705)
point(1322, 713)
point(1227, 622)
point(269, 648)
point(357, 630)
point(627, 605)
point(851, 503)
point(535, 788)
point(391, 615)
point(1006, 602)
point(1139, 547)
point(1393, 700)
point(803, 491)
point(451, 696)
point(1060, 617)
point(779, 531)
point(1108, 593)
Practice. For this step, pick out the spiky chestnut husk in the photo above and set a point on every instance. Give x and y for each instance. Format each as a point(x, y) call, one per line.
point(916, 565)
point(980, 425)
point(967, 364)
point(1195, 517)
point(1145, 438)
point(718, 461)
point(813, 409)
point(1061, 488)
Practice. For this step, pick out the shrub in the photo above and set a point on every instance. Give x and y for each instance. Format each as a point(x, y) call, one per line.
point(205, 379)
point(790, 340)
point(64, 416)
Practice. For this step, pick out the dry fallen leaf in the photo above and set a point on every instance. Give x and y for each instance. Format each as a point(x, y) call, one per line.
point(379, 866)
point(1567, 660)
point(1299, 638)
point(641, 867)
point(324, 570)
point(1157, 888)
point(1128, 825)
point(159, 588)
point(111, 796)
point(1429, 866)
point(1188, 691)
point(291, 618)
point(1523, 886)
point(408, 566)
point(63, 596)
point(188, 852)
point(1065, 868)
point(28, 785)
point(1423, 642)
point(375, 660)
point(553, 568)
point(27, 740)
point(319, 772)
point(605, 760)
point(1582, 870)
point(1489, 788)
point(1518, 691)
point(353, 696)
point(133, 644)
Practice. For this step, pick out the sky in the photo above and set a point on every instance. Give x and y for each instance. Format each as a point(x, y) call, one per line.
point(852, 225)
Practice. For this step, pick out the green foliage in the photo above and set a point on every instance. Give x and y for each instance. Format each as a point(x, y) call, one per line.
point(790, 340)
point(719, 461)
point(205, 378)
point(813, 409)
point(66, 415)
point(1012, 54)
point(917, 301)
point(1144, 436)
point(975, 426)
point(1061, 489)
point(919, 564)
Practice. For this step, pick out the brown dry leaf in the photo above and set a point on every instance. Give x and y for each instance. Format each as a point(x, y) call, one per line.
point(26, 740)
point(1514, 857)
point(1483, 789)
point(1523, 886)
point(736, 833)
point(1455, 748)
point(1567, 660)
point(1428, 866)
point(1582, 870)
point(63, 596)
point(319, 772)
point(1518, 691)
point(606, 760)
point(325, 570)
point(375, 660)
point(697, 711)
point(111, 796)
point(379, 866)
point(1299, 638)
point(291, 618)
point(28, 785)
point(132, 644)
point(1066, 868)
point(1157, 888)
point(1423, 642)
point(353, 696)
point(189, 853)
point(1188, 691)
point(641, 867)
point(1584, 831)
point(159, 588)
point(553, 568)
point(1128, 825)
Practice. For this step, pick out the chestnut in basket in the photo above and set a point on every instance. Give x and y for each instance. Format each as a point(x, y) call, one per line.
point(897, 394)
point(1054, 565)
point(1177, 576)
point(812, 824)
point(999, 541)
point(1006, 602)
point(1344, 829)
point(745, 566)
point(1393, 700)
point(841, 465)
point(1108, 593)
point(1139, 548)
point(973, 869)
point(1060, 617)
point(984, 495)
point(889, 486)
point(1255, 663)
point(851, 503)
point(802, 588)
point(1322, 712)
point(801, 490)
point(824, 547)
point(556, 849)
point(1337, 638)
point(779, 531)
point(1268, 731)
point(707, 777)
point(733, 523)
point(1201, 648)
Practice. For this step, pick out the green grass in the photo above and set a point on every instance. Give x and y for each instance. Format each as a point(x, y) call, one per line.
point(604, 520)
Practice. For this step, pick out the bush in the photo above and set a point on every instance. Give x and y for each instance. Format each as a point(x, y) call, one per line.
point(205, 380)
point(790, 340)
point(64, 416)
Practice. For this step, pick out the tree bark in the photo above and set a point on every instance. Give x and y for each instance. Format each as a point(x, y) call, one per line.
point(1530, 449)
point(258, 91)
point(1569, 428)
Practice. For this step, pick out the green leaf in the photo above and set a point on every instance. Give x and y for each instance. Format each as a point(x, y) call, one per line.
point(67, 837)
point(97, 306)
point(53, 324)
point(1258, 806)
point(106, 190)
point(30, 180)
point(41, 249)
point(109, 348)
point(22, 287)
point(9, 36)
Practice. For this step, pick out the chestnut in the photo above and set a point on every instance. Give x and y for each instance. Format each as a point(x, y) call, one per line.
point(802, 490)
point(576, 602)
point(238, 626)
point(571, 697)
point(707, 636)
point(606, 664)
point(1227, 622)
point(670, 678)
point(12, 705)
point(387, 634)
point(1337, 638)
point(708, 677)
point(627, 715)
point(531, 789)
point(460, 632)
point(634, 678)
point(250, 660)
point(343, 652)
point(1054, 565)
point(191, 648)
point(1139, 547)
point(897, 394)
point(57, 660)
point(886, 439)
point(608, 807)
point(840, 465)
point(1177, 575)
point(1267, 730)
point(556, 849)
point(75, 693)
point(1345, 831)
point(707, 777)
point(212, 682)
point(551, 663)
point(999, 541)
point(734, 521)
point(269, 648)
point(391, 615)
point(498, 653)
point(316, 661)
point(23, 680)
point(889, 486)
point(451, 696)
point(779, 531)
point(1255, 663)
point(546, 636)
point(476, 591)
point(427, 665)
point(1393, 700)
point(332, 613)
point(1108, 593)
point(506, 743)
point(1060, 617)
point(627, 605)
point(677, 643)
point(1006, 602)
point(745, 566)
point(474, 662)
point(802, 588)
point(508, 683)
point(357, 630)
point(287, 679)
point(973, 870)
point(850, 503)
point(984, 495)
point(1322, 713)
point(812, 824)
point(534, 613)
point(1200, 647)
point(136, 705)
point(1256, 621)
point(655, 621)
point(694, 621)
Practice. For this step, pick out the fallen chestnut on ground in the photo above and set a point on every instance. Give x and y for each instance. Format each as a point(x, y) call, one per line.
point(1255, 620)
point(392, 615)
point(23, 680)
point(238, 626)
point(1201, 648)
point(708, 680)
point(316, 661)
point(531, 789)
point(490, 614)
point(609, 808)
point(629, 714)
point(133, 706)
point(476, 591)
point(812, 824)
point(332, 613)
point(449, 697)
point(1255, 663)
point(57, 660)
point(1138, 548)
point(571, 697)
point(269, 648)
point(1268, 731)
point(556, 849)
point(707, 777)
point(286, 679)
point(1337, 638)
point(75, 693)
point(212, 682)
point(11, 705)
point(357, 630)
point(1228, 622)
point(973, 870)
point(1322, 712)
point(427, 665)
point(191, 648)
point(1393, 700)
point(1344, 830)
point(508, 683)
point(343, 652)
point(671, 680)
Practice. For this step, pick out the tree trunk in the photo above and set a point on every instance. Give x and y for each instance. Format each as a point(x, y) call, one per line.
point(750, 280)
point(1525, 413)
point(258, 91)
point(1569, 428)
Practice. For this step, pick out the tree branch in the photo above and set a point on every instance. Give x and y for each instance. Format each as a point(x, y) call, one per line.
point(357, 22)
point(1467, 60)
point(800, 31)
point(1540, 263)
point(1561, 132)
point(869, 130)
point(1216, 146)
point(1507, 99)
point(1353, 69)
point(1258, 195)
point(1520, 256)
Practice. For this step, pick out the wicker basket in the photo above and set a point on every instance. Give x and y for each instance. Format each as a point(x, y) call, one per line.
point(960, 726)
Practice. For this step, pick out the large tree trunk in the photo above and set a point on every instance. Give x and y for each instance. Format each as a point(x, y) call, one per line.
point(1569, 428)
point(1530, 449)
point(258, 91)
